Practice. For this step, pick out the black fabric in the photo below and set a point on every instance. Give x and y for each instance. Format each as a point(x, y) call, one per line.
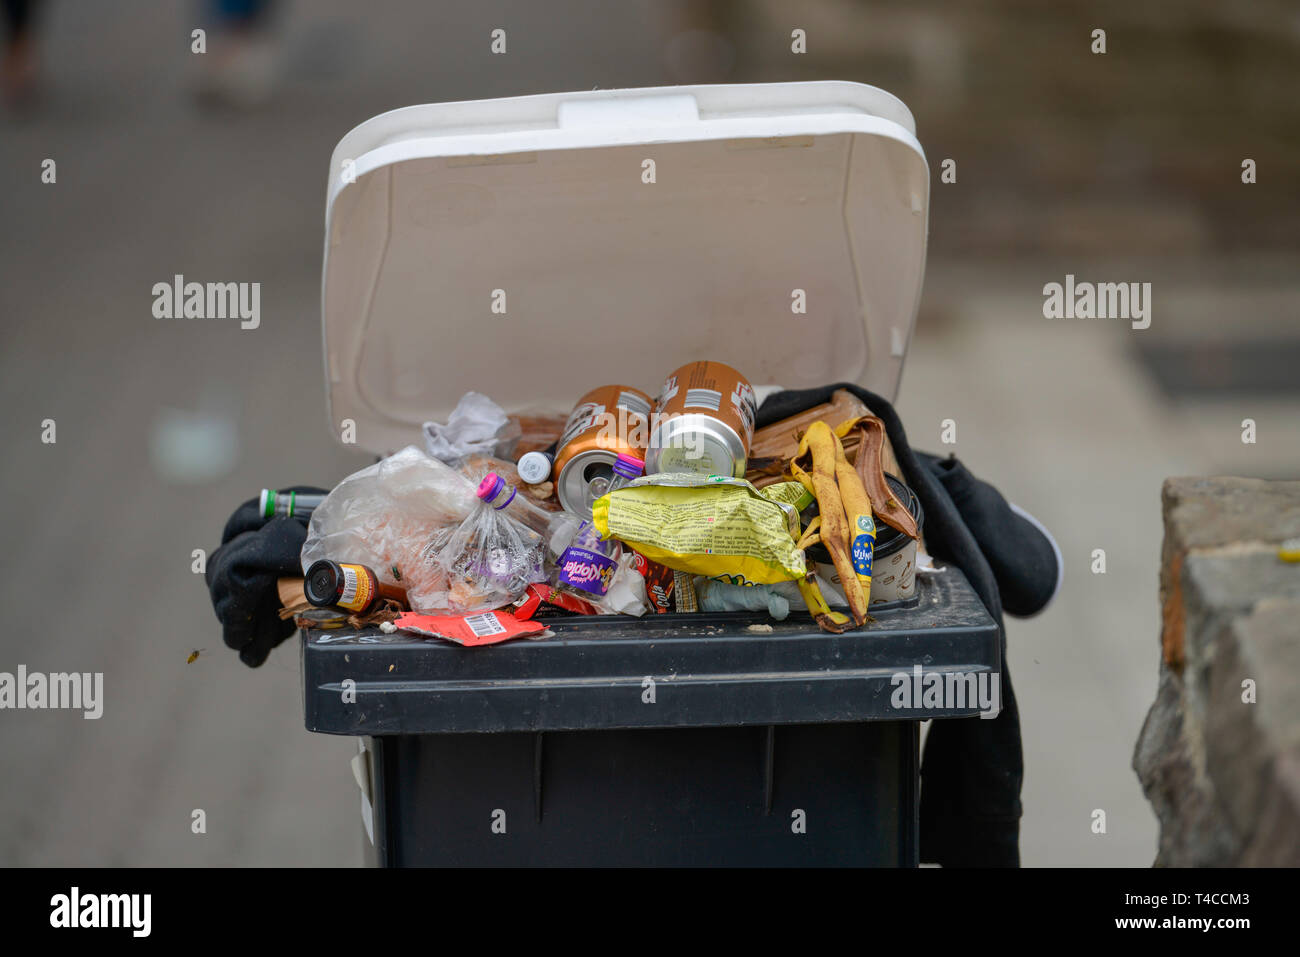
point(241, 577)
point(972, 769)
point(1022, 558)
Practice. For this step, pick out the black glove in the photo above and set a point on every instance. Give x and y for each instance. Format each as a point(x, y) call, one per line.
point(241, 577)
point(1024, 559)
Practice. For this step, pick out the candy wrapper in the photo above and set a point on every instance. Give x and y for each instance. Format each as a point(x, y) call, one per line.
point(487, 628)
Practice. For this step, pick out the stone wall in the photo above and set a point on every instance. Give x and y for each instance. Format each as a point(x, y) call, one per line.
point(1219, 753)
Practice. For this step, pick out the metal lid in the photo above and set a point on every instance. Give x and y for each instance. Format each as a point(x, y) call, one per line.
point(321, 585)
point(573, 484)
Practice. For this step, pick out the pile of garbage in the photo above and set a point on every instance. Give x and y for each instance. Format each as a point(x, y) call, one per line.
point(629, 505)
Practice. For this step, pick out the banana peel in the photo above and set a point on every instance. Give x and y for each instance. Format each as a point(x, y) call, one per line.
point(827, 619)
point(847, 528)
point(872, 475)
point(862, 526)
point(833, 621)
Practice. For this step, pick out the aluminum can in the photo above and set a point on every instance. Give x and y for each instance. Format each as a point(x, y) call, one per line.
point(703, 422)
point(605, 422)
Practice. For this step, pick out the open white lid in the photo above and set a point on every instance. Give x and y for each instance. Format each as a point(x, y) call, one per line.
point(759, 190)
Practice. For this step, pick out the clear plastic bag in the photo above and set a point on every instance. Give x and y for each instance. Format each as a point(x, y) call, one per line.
point(385, 516)
point(477, 424)
point(486, 561)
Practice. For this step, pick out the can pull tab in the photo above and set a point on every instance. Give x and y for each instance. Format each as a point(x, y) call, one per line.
point(613, 111)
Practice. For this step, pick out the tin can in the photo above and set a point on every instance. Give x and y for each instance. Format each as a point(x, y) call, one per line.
point(704, 422)
point(893, 576)
point(606, 421)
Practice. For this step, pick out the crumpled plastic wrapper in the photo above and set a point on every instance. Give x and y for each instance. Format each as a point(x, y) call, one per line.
point(626, 595)
point(477, 424)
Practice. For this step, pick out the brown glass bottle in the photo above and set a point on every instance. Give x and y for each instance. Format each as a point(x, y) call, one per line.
point(353, 588)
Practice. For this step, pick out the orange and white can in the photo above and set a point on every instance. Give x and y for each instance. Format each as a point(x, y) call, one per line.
point(703, 422)
point(606, 421)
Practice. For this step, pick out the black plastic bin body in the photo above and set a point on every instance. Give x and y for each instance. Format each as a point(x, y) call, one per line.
point(700, 739)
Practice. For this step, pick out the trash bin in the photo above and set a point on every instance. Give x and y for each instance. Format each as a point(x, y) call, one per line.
point(530, 248)
point(680, 739)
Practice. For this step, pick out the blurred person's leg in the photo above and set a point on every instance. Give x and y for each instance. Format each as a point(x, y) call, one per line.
point(239, 67)
point(18, 67)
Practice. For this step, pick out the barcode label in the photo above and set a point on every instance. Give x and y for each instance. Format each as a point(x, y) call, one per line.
point(351, 583)
point(484, 624)
point(634, 403)
point(703, 399)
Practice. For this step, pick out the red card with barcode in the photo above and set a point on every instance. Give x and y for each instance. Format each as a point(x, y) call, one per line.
point(483, 628)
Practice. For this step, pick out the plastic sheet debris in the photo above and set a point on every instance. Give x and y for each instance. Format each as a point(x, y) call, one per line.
point(477, 424)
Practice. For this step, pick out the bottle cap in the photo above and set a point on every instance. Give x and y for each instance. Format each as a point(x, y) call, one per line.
point(534, 467)
point(490, 487)
point(266, 507)
point(629, 466)
point(321, 584)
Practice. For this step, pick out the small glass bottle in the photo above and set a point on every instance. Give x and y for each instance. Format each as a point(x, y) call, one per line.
point(353, 588)
point(293, 504)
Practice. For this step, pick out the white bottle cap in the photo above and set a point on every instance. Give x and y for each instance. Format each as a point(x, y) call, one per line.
point(534, 467)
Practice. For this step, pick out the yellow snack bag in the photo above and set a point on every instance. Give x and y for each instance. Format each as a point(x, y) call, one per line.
point(711, 525)
point(792, 493)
